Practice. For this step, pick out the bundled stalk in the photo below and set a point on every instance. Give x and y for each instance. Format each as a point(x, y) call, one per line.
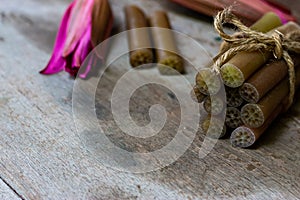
point(245, 137)
point(266, 23)
point(241, 66)
point(264, 113)
point(208, 84)
point(207, 79)
point(248, 78)
point(254, 115)
point(265, 79)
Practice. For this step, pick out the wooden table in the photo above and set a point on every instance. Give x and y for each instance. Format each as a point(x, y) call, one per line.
point(42, 157)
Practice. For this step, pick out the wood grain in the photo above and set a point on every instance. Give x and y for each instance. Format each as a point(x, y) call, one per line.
point(42, 157)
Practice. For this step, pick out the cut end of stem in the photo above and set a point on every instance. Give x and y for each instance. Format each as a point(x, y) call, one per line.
point(213, 105)
point(196, 95)
point(208, 82)
point(232, 75)
point(233, 117)
point(252, 115)
point(174, 62)
point(249, 93)
point(242, 137)
point(233, 97)
point(213, 127)
point(141, 57)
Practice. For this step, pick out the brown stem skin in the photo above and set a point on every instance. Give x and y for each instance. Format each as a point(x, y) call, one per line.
point(254, 133)
point(265, 107)
point(138, 39)
point(259, 131)
point(165, 44)
point(102, 22)
point(246, 63)
point(262, 81)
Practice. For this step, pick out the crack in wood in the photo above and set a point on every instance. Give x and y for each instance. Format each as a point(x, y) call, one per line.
point(13, 189)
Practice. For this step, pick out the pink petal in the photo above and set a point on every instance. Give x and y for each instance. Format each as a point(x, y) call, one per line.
point(68, 68)
point(82, 49)
point(86, 67)
point(80, 19)
point(57, 63)
point(97, 54)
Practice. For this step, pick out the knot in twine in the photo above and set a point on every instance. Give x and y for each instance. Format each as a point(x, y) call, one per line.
point(252, 40)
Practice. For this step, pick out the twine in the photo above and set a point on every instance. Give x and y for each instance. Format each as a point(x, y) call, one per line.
point(277, 43)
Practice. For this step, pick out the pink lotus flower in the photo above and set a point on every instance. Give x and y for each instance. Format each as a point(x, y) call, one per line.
point(85, 24)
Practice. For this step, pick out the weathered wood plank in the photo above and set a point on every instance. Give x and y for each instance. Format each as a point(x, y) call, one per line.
point(6, 193)
point(43, 158)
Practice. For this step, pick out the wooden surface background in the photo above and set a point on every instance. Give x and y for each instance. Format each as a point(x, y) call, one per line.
point(42, 157)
